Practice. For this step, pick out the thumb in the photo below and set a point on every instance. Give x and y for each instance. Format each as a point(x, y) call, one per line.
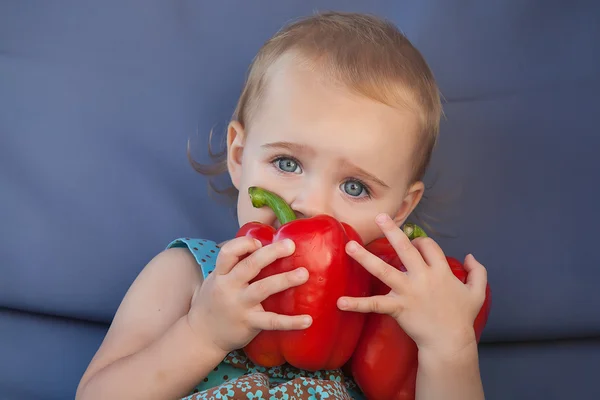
point(476, 274)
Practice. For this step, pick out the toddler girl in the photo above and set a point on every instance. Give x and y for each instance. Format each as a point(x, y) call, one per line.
point(339, 115)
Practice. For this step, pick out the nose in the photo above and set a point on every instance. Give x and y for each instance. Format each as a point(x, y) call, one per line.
point(311, 201)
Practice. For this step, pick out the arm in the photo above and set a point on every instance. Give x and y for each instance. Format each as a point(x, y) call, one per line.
point(150, 350)
point(452, 377)
point(173, 328)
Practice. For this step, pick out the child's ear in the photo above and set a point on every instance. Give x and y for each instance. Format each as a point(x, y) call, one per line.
point(236, 138)
point(409, 203)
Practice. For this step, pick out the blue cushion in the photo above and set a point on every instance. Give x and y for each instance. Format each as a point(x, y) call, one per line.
point(99, 101)
point(44, 357)
point(541, 370)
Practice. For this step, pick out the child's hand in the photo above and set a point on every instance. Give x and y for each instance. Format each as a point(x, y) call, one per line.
point(226, 309)
point(432, 306)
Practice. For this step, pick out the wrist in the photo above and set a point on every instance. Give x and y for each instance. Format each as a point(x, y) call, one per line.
point(449, 373)
point(202, 344)
point(452, 348)
point(456, 354)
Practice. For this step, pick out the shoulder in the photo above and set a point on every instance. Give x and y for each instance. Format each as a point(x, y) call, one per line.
point(203, 251)
point(184, 263)
point(173, 258)
point(166, 283)
point(175, 267)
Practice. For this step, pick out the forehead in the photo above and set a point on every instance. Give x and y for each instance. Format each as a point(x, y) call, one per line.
point(303, 103)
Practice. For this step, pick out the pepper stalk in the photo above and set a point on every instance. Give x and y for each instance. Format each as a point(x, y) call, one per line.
point(261, 197)
point(413, 231)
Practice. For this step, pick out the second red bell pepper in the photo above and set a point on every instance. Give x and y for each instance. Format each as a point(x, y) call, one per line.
point(384, 364)
point(320, 248)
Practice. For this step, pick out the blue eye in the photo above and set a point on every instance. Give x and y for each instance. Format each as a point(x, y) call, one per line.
point(354, 188)
point(287, 164)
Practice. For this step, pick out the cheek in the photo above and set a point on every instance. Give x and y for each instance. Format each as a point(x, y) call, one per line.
point(255, 173)
point(363, 220)
point(265, 175)
point(248, 213)
point(370, 233)
point(365, 226)
point(251, 170)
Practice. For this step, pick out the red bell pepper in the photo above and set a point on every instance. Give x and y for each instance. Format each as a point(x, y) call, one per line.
point(320, 248)
point(384, 364)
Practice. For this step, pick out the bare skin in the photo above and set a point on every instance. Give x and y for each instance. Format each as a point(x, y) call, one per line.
point(325, 150)
point(433, 307)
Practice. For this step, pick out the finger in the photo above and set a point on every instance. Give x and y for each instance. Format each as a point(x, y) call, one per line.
point(374, 304)
point(249, 267)
point(376, 266)
point(408, 254)
point(233, 251)
point(476, 274)
point(431, 252)
point(260, 290)
point(268, 321)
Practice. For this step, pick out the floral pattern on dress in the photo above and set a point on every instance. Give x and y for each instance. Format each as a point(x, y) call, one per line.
point(278, 383)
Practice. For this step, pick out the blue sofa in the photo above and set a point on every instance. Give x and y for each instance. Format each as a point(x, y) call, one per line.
point(99, 99)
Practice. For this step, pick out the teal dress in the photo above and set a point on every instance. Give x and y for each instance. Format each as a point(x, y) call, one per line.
point(236, 377)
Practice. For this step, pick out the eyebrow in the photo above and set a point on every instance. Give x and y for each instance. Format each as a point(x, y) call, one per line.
point(300, 148)
point(292, 147)
point(364, 174)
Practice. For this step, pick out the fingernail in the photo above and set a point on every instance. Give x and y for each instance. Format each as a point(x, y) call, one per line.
point(301, 273)
point(352, 247)
point(258, 242)
point(342, 303)
point(382, 218)
point(307, 321)
point(289, 244)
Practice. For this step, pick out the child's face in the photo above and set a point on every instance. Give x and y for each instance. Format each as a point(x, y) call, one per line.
point(325, 150)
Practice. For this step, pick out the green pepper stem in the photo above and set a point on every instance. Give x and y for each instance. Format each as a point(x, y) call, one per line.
point(413, 231)
point(261, 197)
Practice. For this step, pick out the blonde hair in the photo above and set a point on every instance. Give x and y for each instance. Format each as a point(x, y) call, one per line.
point(365, 53)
